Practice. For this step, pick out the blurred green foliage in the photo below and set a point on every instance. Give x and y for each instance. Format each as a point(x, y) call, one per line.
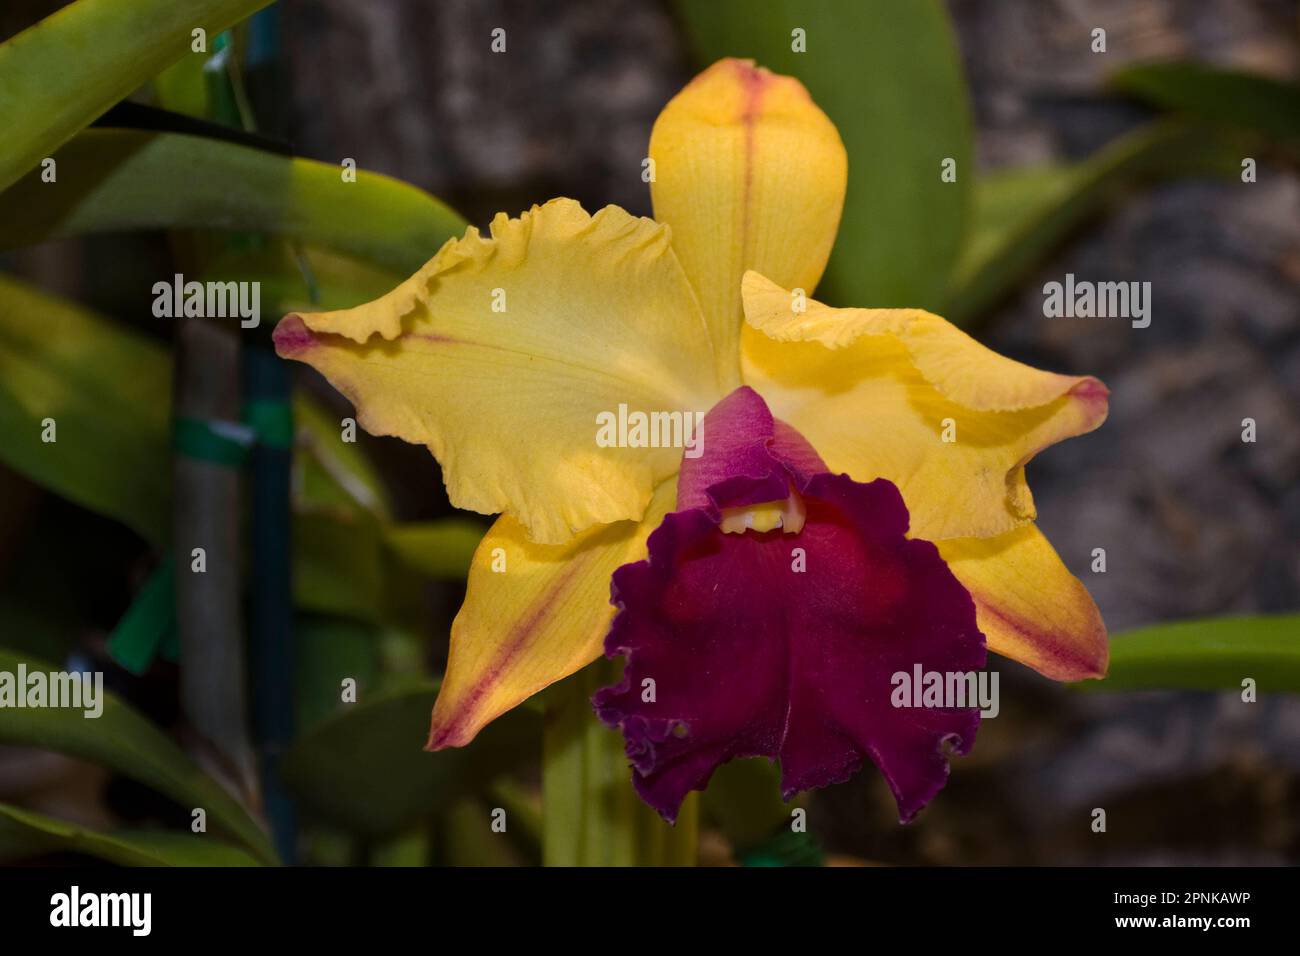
point(123, 740)
point(364, 769)
point(58, 76)
point(101, 384)
point(1022, 215)
point(1231, 98)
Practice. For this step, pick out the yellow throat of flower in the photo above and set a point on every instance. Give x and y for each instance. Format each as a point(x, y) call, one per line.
point(788, 515)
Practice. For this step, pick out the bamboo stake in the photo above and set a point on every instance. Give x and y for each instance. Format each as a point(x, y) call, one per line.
point(207, 516)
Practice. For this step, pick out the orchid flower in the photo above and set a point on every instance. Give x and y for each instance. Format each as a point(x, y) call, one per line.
point(859, 507)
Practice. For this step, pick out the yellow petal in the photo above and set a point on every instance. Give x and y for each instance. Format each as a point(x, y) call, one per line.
point(533, 614)
point(904, 395)
point(1028, 604)
point(750, 174)
point(500, 353)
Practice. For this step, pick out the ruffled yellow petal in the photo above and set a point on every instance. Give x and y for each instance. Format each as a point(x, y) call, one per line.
point(1028, 604)
point(750, 174)
point(533, 614)
point(904, 395)
point(500, 353)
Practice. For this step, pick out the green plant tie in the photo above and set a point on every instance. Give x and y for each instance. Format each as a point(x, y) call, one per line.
point(218, 442)
point(148, 628)
point(271, 421)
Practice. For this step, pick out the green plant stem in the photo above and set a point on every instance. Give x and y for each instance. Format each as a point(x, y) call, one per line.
point(591, 816)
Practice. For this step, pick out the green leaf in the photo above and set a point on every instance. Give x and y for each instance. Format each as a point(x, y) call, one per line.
point(59, 75)
point(341, 509)
point(183, 87)
point(889, 76)
point(365, 769)
point(1021, 215)
point(464, 837)
point(338, 564)
point(1212, 654)
point(329, 649)
point(108, 391)
point(332, 473)
point(743, 800)
point(127, 743)
point(437, 549)
point(112, 179)
point(297, 277)
point(1244, 100)
point(24, 834)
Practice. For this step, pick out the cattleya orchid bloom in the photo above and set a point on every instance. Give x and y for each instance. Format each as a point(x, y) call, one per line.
point(827, 536)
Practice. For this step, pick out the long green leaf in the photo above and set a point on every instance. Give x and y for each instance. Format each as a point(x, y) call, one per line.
point(1245, 100)
point(25, 834)
point(112, 179)
point(184, 87)
point(59, 75)
point(1212, 654)
point(889, 76)
point(1021, 215)
point(124, 741)
point(364, 769)
point(108, 391)
point(295, 276)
